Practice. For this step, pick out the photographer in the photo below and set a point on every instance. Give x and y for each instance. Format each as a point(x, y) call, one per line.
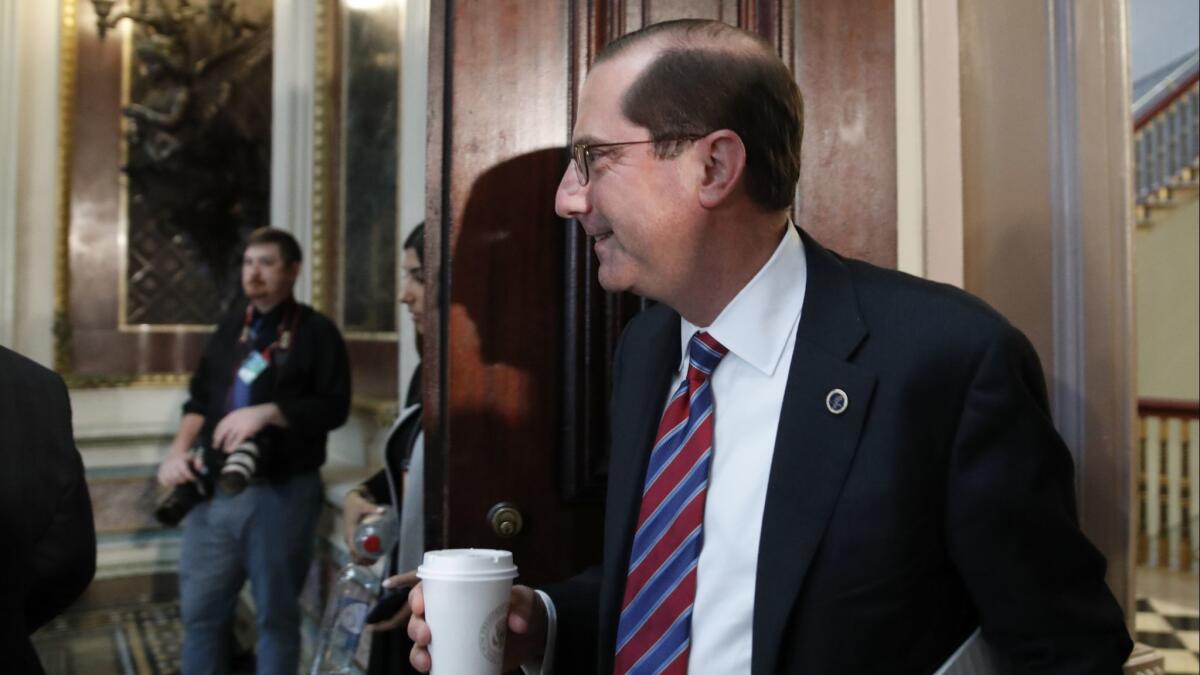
point(274, 371)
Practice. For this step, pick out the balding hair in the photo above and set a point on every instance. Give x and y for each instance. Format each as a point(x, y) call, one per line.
point(706, 76)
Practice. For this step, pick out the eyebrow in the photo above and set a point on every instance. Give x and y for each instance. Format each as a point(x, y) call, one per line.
point(586, 140)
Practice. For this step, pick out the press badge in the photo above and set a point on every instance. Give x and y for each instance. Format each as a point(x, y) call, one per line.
point(252, 367)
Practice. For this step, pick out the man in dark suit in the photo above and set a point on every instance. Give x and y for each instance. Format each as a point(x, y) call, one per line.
point(45, 512)
point(817, 465)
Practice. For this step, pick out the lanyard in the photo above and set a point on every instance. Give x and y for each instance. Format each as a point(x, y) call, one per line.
point(240, 389)
point(284, 341)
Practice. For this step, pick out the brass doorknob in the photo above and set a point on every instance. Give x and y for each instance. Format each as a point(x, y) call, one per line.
point(506, 520)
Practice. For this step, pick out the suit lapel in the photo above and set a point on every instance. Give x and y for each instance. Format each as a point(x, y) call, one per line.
point(814, 447)
point(648, 362)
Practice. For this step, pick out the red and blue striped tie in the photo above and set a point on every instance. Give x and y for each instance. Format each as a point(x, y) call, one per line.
point(655, 629)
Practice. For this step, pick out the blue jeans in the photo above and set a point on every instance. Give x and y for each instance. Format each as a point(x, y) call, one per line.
point(265, 533)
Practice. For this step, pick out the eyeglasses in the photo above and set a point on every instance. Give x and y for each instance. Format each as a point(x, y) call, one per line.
point(581, 153)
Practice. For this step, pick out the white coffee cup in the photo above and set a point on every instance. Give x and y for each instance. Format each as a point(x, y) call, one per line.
point(466, 606)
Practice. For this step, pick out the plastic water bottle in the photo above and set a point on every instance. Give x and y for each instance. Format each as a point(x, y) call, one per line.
point(356, 589)
point(376, 535)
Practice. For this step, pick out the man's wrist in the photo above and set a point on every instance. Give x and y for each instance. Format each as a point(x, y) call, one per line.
point(272, 415)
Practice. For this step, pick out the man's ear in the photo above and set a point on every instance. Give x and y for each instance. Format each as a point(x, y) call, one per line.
point(724, 158)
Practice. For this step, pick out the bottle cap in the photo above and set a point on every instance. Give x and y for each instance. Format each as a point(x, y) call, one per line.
point(371, 543)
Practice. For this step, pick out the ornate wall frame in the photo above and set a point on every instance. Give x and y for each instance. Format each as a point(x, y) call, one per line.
point(183, 342)
point(93, 344)
point(373, 354)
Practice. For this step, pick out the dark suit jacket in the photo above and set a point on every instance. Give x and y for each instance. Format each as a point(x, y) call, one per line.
point(940, 500)
point(45, 513)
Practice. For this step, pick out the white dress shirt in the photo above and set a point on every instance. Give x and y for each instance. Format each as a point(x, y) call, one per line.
point(759, 328)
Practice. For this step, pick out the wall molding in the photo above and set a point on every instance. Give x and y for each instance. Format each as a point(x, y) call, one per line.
point(910, 140)
point(9, 110)
point(1067, 274)
point(414, 87)
point(37, 178)
point(293, 85)
point(929, 172)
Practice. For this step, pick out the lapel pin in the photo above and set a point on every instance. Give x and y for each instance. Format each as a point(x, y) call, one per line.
point(837, 401)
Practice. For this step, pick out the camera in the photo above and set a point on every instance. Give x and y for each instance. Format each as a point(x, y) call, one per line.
point(175, 505)
point(233, 473)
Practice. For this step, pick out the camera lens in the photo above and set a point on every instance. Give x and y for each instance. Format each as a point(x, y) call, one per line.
point(239, 468)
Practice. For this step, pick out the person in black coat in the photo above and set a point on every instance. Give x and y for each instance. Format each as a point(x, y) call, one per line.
point(274, 371)
point(817, 465)
point(45, 511)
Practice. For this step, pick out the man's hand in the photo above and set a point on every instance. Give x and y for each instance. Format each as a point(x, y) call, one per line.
point(526, 629)
point(178, 468)
point(405, 611)
point(354, 507)
point(241, 424)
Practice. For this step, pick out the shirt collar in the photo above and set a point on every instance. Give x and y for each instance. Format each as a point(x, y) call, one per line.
point(757, 323)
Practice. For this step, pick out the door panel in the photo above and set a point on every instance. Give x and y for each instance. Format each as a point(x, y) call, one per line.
point(845, 65)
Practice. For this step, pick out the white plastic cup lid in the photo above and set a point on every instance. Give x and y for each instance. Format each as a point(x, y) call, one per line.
point(467, 564)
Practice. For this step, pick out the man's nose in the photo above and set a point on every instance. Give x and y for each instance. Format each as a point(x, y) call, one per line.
point(572, 199)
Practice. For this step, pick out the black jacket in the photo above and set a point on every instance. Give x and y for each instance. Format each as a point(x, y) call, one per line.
point(941, 500)
point(309, 381)
point(45, 511)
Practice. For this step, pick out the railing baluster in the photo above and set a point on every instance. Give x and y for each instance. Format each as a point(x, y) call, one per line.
point(1148, 159)
point(1167, 138)
point(1160, 171)
point(1181, 158)
point(1193, 490)
point(1160, 153)
point(1194, 123)
point(1189, 127)
point(1151, 455)
point(1141, 164)
point(1173, 143)
point(1189, 130)
point(1137, 165)
point(1174, 492)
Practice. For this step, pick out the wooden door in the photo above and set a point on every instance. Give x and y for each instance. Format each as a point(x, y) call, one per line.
point(517, 353)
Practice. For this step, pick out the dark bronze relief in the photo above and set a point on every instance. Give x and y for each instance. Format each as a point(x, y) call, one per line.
point(153, 95)
point(197, 154)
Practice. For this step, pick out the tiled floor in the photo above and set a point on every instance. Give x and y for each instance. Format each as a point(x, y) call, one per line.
point(1167, 617)
point(1174, 631)
point(123, 627)
point(141, 639)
